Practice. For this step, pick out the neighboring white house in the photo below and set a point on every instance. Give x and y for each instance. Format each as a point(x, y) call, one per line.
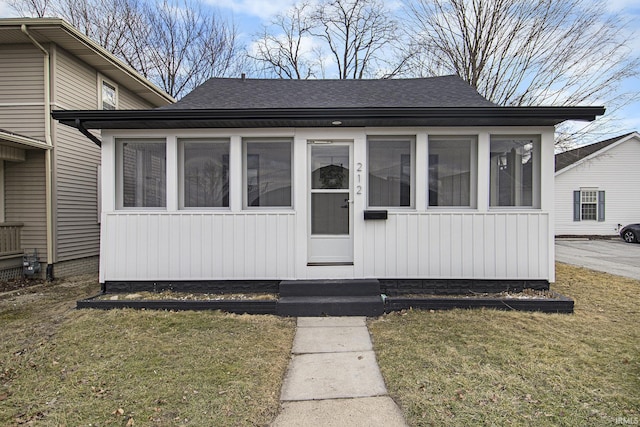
point(266, 180)
point(597, 187)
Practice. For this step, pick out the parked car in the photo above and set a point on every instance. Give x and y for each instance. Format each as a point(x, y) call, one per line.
point(630, 233)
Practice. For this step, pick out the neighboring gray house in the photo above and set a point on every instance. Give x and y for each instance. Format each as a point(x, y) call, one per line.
point(597, 187)
point(258, 181)
point(48, 173)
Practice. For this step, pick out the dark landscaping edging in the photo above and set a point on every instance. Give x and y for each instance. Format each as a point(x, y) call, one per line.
point(229, 306)
point(560, 304)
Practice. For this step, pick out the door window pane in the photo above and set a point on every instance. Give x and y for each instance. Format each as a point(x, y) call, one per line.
point(450, 171)
point(514, 171)
point(330, 213)
point(144, 175)
point(268, 173)
point(205, 173)
point(390, 172)
point(330, 166)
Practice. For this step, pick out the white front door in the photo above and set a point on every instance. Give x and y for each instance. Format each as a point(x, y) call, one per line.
point(330, 203)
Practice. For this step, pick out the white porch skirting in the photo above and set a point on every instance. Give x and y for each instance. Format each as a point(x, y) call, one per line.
point(272, 246)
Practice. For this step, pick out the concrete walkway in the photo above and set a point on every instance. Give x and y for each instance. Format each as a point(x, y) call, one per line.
point(333, 378)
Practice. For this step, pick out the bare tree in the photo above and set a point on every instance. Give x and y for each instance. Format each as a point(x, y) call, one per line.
point(284, 52)
point(177, 44)
point(356, 31)
point(356, 34)
point(108, 22)
point(182, 44)
point(523, 52)
point(35, 8)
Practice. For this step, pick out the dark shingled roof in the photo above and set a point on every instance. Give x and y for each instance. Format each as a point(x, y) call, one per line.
point(219, 93)
point(262, 103)
point(570, 157)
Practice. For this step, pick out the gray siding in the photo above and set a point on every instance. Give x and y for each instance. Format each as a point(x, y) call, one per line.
point(127, 100)
point(76, 160)
point(22, 90)
point(25, 200)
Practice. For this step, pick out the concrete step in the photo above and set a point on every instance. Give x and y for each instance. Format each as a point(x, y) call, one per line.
point(346, 287)
point(312, 306)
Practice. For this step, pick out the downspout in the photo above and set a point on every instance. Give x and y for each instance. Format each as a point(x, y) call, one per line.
point(88, 134)
point(48, 153)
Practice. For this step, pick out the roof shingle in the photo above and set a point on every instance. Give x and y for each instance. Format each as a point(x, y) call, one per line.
point(570, 157)
point(225, 93)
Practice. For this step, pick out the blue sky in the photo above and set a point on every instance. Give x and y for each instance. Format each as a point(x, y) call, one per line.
point(249, 15)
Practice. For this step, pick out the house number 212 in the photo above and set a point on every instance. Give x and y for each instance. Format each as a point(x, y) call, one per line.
point(358, 178)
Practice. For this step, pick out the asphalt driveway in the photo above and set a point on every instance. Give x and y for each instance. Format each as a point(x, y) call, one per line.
point(611, 256)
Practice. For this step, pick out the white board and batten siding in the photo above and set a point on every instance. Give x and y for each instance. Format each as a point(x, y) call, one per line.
point(615, 171)
point(457, 245)
point(237, 244)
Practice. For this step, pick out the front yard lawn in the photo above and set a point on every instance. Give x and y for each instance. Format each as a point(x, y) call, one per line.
point(65, 367)
point(487, 367)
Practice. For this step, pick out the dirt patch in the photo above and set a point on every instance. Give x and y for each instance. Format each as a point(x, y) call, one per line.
point(21, 283)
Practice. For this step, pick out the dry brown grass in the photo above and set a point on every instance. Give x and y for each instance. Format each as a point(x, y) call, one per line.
point(67, 367)
point(486, 367)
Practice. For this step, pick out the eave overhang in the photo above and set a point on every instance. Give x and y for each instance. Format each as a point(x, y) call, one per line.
point(63, 34)
point(21, 141)
point(325, 117)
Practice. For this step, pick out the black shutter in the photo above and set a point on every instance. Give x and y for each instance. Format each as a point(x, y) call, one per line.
point(576, 205)
point(600, 206)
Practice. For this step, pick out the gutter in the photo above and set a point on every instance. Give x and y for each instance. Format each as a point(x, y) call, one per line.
point(48, 153)
point(356, 116)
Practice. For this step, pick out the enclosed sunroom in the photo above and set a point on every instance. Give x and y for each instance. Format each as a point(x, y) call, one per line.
point(260, 181)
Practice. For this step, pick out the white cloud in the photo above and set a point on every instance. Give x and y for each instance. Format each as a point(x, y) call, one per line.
point(259, 8)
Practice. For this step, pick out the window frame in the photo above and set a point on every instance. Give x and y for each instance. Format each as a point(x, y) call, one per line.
point(181, 170)
point(473, 141)
point(102, 82)
point(412, 169)
point(245, 193)
point(119, 144)
point(536, 196)
point(595, 203)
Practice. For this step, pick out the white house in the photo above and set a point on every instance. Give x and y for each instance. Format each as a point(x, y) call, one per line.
point(597, 187)
point(404, 181)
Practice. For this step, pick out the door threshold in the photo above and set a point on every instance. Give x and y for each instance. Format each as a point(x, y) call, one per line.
point(326, 264)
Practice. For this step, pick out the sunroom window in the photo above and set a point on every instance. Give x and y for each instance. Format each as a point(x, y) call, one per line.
point(515, 171)
point(267, 172)
point(452, 171)
point(142, 165)
point(391, 171)
point(204, 173)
